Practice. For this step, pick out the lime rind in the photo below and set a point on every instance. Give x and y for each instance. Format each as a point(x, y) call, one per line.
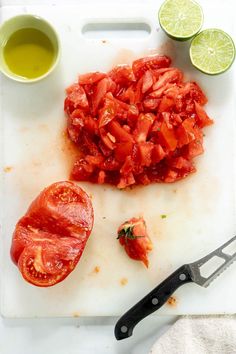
point(180, 19)
point(212, 51)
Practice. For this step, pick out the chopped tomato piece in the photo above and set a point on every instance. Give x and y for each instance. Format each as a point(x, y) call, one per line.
point(133, 236)
point(74, 124)
point(138, 95)
point(192, 90)
point(167, 137)
point(128, 95)
point(160, 91)
point(100, 91)
point(76, 97)
point(171, 176)
point(122, 74)
point(203, 119)
point(157, 153)
point(91, 78)
point(173, 75)
point(91, 125)
point(82, 170)
point(145, 153)
point(152, 62)
point(101, 177)
point(107, 138)
point(107, 112)
point(194, 149)
point(180, 162)
point(123, 150)
point(119, 133)
point(94, 160)
point(126, 181)
point(185, 132)
point(144, 123)
point(110, 164)
point(166, 104)
point(148, 81)
point(151, 103)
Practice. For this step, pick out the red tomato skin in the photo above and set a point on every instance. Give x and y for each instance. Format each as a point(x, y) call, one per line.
point(72, 213)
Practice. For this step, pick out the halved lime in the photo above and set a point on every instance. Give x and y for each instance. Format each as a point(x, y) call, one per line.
point(212, 51)
point(180, 19)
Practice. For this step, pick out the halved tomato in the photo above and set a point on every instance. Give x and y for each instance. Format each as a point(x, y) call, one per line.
point(49, 240)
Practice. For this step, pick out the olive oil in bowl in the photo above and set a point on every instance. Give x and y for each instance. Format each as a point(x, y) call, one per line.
point(29, 48)
point(29, 53)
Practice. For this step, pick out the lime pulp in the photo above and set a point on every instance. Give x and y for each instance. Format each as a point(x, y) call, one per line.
point(212, 51)
point(180, 19)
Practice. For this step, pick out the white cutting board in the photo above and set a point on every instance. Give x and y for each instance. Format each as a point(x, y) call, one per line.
point(200, 210)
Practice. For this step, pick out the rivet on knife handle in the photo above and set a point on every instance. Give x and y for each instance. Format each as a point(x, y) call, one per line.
point(152, 302)
point(185, 274)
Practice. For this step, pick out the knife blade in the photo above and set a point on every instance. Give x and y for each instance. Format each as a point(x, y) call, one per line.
point(185, 274)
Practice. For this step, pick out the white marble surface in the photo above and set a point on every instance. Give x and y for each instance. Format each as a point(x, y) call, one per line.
point(77, 336)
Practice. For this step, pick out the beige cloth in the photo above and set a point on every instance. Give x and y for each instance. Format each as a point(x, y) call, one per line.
point(199, 335)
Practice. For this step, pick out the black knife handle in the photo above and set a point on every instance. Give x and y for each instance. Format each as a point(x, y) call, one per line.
point(151, 302)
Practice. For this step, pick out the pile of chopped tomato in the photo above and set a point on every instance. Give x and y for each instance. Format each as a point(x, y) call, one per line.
point(136, 125)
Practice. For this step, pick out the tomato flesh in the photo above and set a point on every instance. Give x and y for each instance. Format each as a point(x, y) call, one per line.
point(129, 123)
point(49, 240)
point(133, 237)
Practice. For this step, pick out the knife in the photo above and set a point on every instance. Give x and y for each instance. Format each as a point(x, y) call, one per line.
point(185, 274)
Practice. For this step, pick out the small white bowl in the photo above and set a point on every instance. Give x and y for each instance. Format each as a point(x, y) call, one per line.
point(27, 21)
